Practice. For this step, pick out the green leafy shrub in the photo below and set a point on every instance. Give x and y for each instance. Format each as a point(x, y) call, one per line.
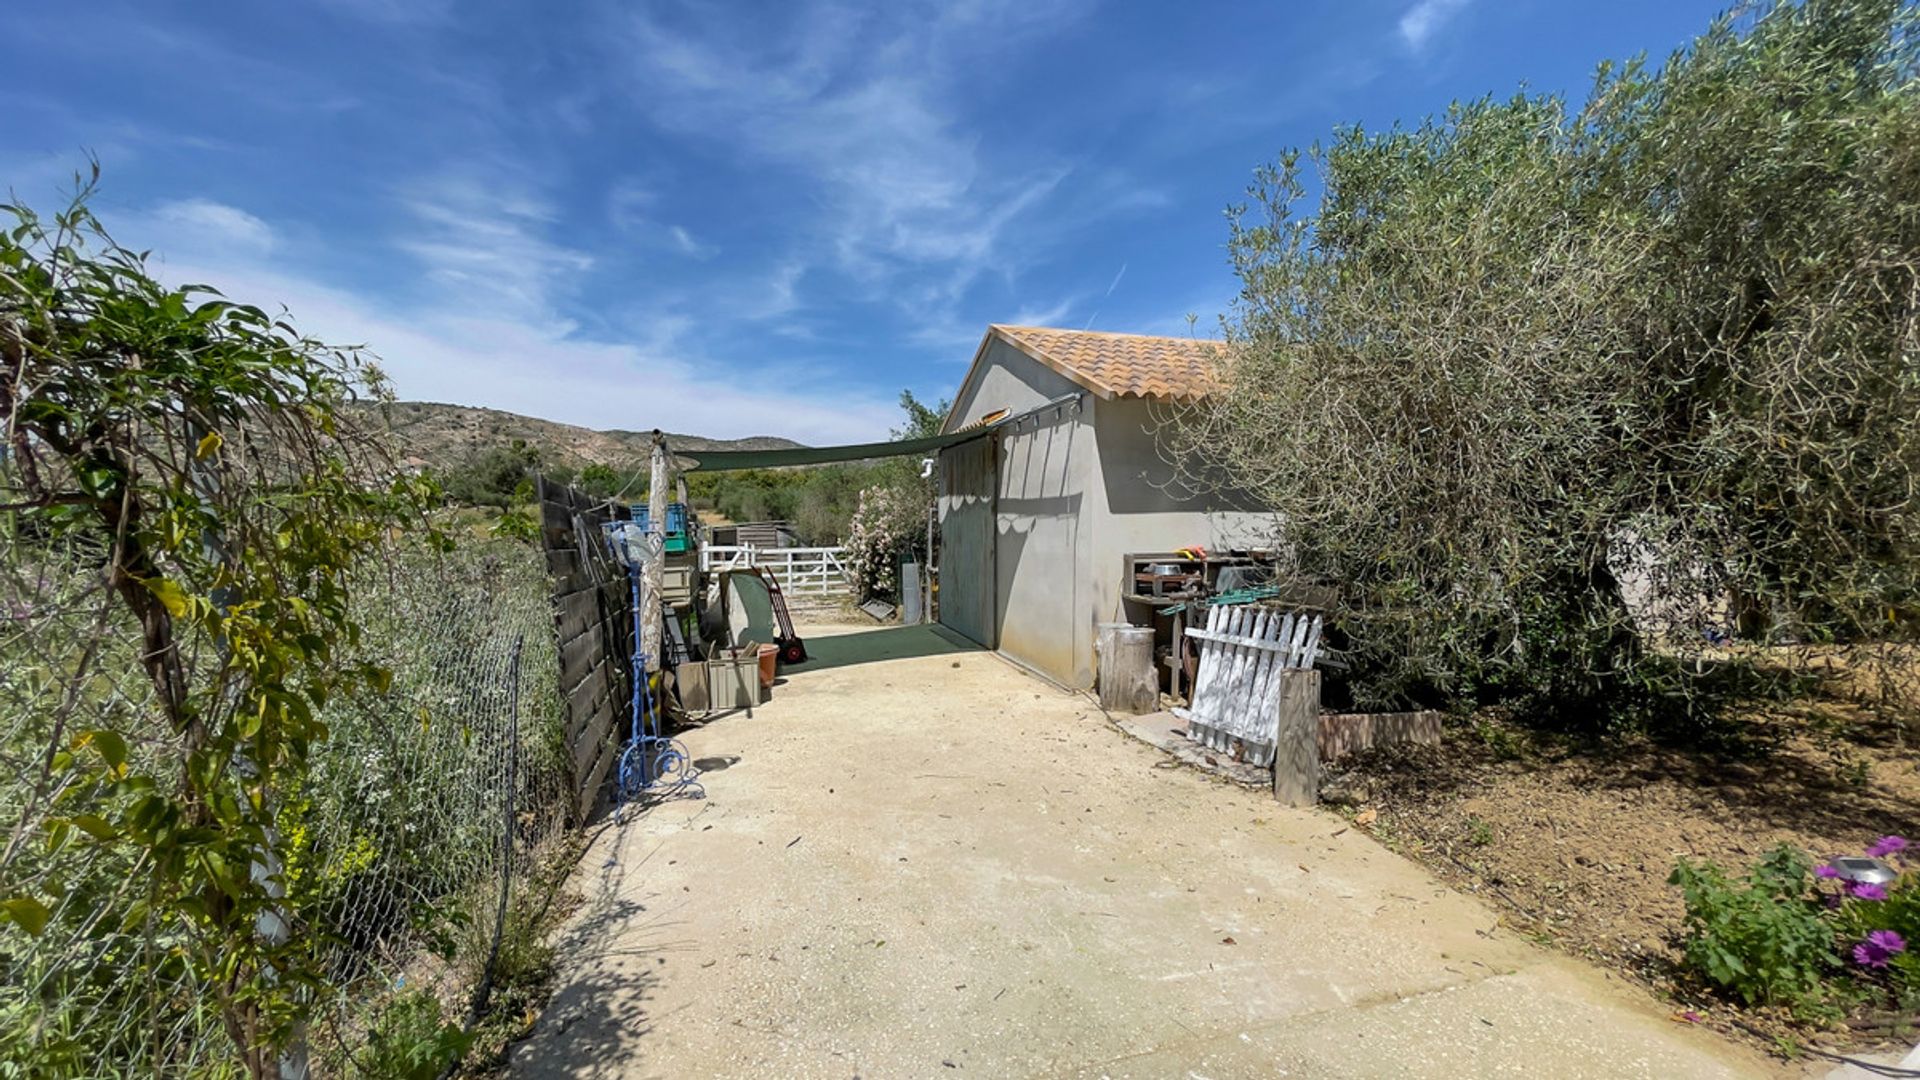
point(253, 713)
point(411, 1040)
point(1794, 934)
point(494, 476)
point(188, 467)
point(1764, 938)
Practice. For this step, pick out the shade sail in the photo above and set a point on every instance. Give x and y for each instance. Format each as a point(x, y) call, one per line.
point(726, 460)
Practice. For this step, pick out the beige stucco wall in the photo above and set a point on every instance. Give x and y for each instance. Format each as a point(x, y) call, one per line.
point(1138, 507)
point(1074, 493)
point(1043, 475)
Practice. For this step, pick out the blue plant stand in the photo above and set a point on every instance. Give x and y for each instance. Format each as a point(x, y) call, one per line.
point(653, 768)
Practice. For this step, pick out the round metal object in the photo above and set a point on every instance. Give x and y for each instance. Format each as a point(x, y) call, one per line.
point(1864, 871)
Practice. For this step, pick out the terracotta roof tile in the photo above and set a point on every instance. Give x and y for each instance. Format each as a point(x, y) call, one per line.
point(1122, 365)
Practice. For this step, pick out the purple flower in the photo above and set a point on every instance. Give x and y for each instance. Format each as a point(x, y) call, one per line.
point(1879, 947)
point(1826, 870)
point(1887, 845)
point(1863, 891)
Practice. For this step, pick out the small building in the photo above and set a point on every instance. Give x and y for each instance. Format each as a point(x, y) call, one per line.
point(1037, 517)
point(760, 534)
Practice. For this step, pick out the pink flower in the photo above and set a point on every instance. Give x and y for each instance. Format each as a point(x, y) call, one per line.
point(1861, 890)
point(1879, 947)
point(1887, 845)
point(1826, 870)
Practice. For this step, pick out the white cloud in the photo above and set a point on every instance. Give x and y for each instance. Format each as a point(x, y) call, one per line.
point(479, 239)
point(207, 225)
point(1047, 316)
point(684, 240)
point(782, 292)
point(1425, 18)
point(499, 345)
point(862, 105)
point(627, 205)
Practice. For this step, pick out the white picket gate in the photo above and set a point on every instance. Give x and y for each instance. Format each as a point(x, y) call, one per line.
point(1236, 690)
point(801, 571)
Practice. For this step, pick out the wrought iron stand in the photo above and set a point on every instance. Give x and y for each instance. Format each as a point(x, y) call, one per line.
point(653, 767)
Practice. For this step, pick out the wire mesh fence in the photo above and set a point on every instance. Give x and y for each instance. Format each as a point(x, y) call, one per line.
point(396, 856)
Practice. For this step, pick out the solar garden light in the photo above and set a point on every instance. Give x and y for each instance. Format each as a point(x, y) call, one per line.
point(1863, 871)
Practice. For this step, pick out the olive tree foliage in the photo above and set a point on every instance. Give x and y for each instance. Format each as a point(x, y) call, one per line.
point(181, 504)
point(1585, 407)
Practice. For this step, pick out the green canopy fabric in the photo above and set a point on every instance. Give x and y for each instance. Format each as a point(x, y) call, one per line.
point(727, 460)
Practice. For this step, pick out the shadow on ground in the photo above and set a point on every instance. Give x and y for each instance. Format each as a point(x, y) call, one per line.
point(1801, 787)
point(612, 954)
point(886, 643)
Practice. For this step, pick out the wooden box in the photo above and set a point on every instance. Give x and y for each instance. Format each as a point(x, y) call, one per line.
point(733, 681)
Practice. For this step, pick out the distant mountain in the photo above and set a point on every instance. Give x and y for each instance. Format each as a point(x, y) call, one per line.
point(443, 436)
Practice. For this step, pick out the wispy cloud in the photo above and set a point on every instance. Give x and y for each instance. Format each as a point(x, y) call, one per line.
point(481, 239)
point(1425, 18)
point(218, 225)
point(474, 349)
point(688, 246)
point(1105, 296)
point(1044, 316)
point(629, 203)
point(860, 106)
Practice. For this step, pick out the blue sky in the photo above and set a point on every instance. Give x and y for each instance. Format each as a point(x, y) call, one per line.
point(730, 219)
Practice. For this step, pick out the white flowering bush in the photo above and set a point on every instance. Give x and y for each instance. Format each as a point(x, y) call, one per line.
point(889, 519)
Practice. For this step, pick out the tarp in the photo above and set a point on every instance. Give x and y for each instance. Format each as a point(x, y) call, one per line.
point(725, 460)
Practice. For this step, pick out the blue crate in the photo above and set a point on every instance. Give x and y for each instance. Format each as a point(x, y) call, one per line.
point(676, 518)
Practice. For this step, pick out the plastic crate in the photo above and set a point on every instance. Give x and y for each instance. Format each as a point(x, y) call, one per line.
point(676, 518)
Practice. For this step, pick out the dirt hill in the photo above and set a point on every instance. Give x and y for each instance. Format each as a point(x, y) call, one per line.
point(445, 435)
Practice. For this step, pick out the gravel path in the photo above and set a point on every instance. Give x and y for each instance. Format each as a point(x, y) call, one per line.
point(919, 861)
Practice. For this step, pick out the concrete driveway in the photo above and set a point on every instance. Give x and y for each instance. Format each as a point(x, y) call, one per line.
point(918, 861)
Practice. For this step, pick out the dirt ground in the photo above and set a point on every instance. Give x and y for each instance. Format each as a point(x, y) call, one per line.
point(1574, 846)
point(918, 860)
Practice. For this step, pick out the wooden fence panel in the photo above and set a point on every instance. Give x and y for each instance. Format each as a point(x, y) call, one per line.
point(1238, 686)
point(588, 590)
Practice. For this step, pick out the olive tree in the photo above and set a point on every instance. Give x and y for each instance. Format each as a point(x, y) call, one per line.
point(1584, 407)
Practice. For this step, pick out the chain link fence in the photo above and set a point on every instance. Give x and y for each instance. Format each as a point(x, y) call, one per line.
point(405, 853)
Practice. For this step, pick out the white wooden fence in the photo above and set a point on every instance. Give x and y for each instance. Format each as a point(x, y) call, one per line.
point(1236, 690)
point(801, 571)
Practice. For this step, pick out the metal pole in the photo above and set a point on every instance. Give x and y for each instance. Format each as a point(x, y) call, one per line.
point(657, 545)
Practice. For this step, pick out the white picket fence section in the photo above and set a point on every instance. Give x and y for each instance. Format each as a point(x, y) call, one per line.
point(1236, 690)
point(801, 571)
